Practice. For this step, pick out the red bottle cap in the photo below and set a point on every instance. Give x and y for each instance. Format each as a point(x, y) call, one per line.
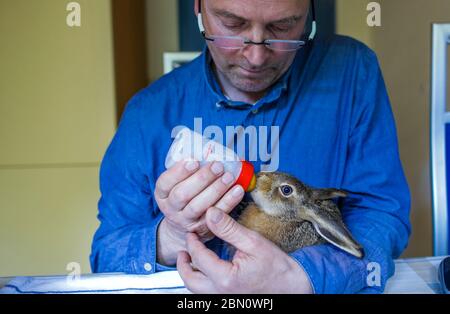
point(246, 175)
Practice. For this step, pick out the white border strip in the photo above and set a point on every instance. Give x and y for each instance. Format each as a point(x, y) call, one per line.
point(447, 117)
point(441, 38)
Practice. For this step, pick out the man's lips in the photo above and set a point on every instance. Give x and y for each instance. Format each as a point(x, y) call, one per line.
point(253, 72)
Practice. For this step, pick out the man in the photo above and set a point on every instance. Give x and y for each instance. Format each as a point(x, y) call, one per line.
point(335, 129)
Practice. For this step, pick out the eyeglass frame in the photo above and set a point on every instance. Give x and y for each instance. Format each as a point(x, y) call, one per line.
point(266, 42)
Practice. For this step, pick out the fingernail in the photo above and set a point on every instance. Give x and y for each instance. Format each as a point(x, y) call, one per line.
point(238, 191)
point(191, 165)
point(217, 168)
point(216, 216)
point(227, 178)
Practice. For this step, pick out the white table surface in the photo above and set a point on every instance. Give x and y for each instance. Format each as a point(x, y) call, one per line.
point(417, 276)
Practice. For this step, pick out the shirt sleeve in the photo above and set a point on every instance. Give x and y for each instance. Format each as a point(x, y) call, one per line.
point(377, 208)
point(126, 239)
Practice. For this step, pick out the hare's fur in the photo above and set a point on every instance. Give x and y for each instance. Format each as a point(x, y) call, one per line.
point(305, 217)
point(288, 234)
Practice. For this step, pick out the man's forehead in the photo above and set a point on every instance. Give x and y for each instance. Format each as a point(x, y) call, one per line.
point(259, 10)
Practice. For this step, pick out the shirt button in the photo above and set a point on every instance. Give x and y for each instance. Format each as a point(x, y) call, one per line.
point(218, 105)
point(147, 267)
point(255, 111)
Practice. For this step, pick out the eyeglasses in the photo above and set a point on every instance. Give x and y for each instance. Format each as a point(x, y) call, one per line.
point(236, 42)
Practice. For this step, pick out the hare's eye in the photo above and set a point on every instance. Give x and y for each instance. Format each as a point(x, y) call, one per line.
point(286, 190)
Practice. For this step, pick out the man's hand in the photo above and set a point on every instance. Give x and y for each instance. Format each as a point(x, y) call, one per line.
point(258, 266)
point(183, 194)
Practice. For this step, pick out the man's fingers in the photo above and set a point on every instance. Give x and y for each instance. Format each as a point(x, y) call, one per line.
point(210, 196)
point(227, 229)
point(194, 281)
point(231, 199)
point(206, 260)
point(168, 179)
point(185, 191)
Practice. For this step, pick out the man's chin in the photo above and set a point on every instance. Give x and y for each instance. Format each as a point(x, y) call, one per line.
point(252, 85)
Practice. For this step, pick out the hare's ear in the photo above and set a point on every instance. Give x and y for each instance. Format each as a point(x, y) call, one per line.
point(336, 233)
point(327, 194)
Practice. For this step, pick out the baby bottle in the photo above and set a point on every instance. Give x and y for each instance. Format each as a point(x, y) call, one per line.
point(190, 145)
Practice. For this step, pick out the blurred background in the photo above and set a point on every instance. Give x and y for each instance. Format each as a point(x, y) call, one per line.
point(63, 89)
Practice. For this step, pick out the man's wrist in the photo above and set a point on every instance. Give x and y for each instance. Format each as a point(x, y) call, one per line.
point(300, 281)
point(167, 245)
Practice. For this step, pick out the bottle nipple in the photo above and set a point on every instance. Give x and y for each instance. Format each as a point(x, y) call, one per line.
point(252, 185)
point(247, 178)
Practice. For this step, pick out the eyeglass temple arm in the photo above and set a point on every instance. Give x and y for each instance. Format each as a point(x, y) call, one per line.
point(311, 36)
point(314, 23)
point(200, 18)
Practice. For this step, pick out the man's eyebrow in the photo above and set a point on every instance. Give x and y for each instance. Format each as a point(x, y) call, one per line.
point(287, 20)
point(227, 14)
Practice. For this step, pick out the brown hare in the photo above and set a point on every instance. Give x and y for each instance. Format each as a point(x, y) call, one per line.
point(294, 215)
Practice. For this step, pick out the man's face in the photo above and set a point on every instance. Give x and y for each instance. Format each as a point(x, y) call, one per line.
point(254, 68)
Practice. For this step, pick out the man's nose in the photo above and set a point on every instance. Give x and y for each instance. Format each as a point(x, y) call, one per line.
point(257, 54)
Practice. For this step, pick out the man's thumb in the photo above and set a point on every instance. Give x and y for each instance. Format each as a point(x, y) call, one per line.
point(227, 229)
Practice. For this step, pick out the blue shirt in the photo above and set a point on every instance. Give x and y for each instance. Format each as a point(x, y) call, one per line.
point(336, 129)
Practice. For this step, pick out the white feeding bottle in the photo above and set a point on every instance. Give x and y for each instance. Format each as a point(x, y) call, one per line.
point(190, 145)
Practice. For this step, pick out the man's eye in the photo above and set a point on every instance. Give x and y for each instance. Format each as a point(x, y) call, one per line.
point(286, 190)
point(234, 26)
point(280, 29)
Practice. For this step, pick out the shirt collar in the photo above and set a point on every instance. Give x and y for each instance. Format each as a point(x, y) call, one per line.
point(273, 95)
